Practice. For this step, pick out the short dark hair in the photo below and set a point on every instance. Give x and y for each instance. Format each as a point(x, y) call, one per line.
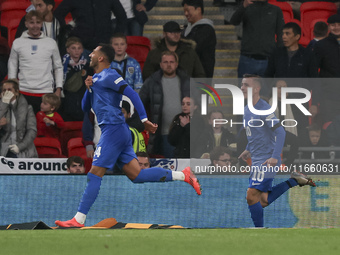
point(296, 28)
point(108, 51)
point(213, 111)
point(314, 127)
point(255, 77)
point(14, 82)
point(75, 159)
point(195, 3)
point(126, 105)
point(118, 35)
point(320, 29)
point(72, 40)
point(142, 154)
point(49, 2)
point(218, 151)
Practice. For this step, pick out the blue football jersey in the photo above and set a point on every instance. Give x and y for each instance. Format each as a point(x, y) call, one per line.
point(106, 97)
point(261, 138)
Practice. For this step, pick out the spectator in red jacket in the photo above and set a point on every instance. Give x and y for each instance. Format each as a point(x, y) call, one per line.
point(49, 122)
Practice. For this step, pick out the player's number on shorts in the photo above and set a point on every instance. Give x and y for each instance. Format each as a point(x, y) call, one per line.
point(258, 176)
point(97, 152)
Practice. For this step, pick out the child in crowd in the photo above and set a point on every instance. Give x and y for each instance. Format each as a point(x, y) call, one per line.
point(49, 122)
point(315, 138)
point(130, 68)
point(76, 65)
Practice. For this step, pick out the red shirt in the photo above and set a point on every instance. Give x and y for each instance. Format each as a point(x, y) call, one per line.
point(48, 130)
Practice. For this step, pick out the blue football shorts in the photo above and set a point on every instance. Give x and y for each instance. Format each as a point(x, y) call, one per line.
point(114, 146)
point(261, 177)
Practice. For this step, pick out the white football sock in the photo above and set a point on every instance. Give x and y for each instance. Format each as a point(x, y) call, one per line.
point(178, 176)
point(80, 217)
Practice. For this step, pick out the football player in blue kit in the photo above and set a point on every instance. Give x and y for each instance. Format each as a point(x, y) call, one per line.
point(266, 139)
point(104, 94)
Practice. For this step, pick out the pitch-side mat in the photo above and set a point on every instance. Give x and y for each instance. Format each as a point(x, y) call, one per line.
point(109, 223)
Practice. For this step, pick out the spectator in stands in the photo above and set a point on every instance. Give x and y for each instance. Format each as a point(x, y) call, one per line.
point(171, 41)
point(136, 15)
point(261, 23)
point(320, 31)
point(35, 61)
point(49, 122)
point(202, 31)
point(138, 143)
point(179, 131)
point(216, 134)
point(93, 19)
point(143, 159)
point(221, 156)
point(314, 137)
point(75, 165)
point(161, 95)
point(52, 27)
point(76, 65)
point(18, 126)
point(292, 60)
point(327, 52)
point(130, 68)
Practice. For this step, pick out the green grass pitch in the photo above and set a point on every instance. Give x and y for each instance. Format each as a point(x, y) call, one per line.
point(171, 241)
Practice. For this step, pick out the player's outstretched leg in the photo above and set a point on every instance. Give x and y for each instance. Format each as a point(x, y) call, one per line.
point(158, 174)
point(89, 196)
point(294, 180)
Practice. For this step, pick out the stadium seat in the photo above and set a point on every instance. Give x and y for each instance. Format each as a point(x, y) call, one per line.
point(75, 147)
point(12, 29)
point(71, 129)
point(12, 10)
point(138, 48)
point(48, 147)
point(315, 10)
point(287, 10)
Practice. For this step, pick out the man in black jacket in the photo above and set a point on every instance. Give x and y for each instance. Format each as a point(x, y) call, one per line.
point(327, 53)
point(202, 32)
point(161, 95)
point(93, 19)
point(261, 22)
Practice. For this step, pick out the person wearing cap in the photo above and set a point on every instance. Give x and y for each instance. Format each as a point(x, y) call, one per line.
point(201, 31)
point(171, 41)
point(327, 53)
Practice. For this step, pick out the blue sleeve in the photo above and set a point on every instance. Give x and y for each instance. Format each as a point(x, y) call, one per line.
point(135, 99)
point(87, 130)
point(280, 135)
point(86, 102)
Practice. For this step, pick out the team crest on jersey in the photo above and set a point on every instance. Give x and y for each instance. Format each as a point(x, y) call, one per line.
point(34, 49)
point(131, 70)
point(169, 164)
point(83, 73)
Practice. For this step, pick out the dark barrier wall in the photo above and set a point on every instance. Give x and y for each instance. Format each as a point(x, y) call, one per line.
point(26, 198)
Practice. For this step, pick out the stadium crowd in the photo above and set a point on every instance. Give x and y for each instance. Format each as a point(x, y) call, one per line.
point(44, 76)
